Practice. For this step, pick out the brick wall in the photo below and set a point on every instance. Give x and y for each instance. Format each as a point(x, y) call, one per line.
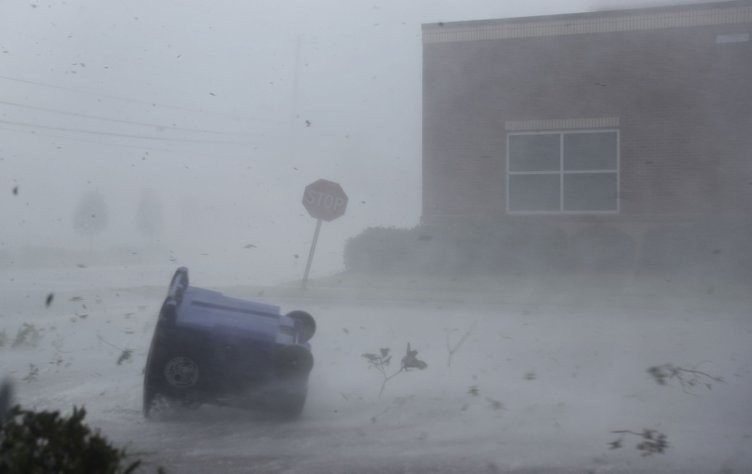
point(684, 104)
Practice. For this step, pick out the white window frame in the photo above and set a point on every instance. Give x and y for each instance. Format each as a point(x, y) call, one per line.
point(561, 172)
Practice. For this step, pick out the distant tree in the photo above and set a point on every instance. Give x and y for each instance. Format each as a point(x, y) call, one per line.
point(90, 217)
point(149, 215)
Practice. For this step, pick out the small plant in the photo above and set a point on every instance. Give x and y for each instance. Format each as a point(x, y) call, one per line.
point(27, 336)
point(381, 361)
point(454, 347)
point(652, 441)
point(687, 378)
point(41, 442)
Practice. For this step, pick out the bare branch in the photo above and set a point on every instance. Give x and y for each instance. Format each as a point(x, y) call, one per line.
point(653, 441)
point(687, 378)
point(452, 348)
point(381, 360)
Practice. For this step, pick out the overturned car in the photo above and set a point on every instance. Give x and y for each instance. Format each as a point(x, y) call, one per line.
point(210, 348)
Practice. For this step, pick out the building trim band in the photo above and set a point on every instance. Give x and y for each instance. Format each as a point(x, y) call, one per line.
point(561, 124)
point(655, 21)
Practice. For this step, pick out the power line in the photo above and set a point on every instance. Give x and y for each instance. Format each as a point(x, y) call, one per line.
point(79, 91)
point(174, 151)
point(83, 140)
point(115, 134)
point(109, 119)
point(123, 99)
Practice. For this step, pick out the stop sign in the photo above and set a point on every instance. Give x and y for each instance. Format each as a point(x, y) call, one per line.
point(325, 200)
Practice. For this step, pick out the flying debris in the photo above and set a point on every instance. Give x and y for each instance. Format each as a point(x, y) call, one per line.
point(411, 361)
point(201, 350)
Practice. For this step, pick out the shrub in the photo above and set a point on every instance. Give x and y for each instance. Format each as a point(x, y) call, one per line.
point(6, 398)
point(670, 248)
point(716, 247)
point(47, 442)
point(380, 250)
point(603, 248)
point(457, 248)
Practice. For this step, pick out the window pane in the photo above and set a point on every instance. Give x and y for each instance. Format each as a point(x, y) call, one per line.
point(534, 152)
point(538, 192)
point(590, 192)
point(590, 151)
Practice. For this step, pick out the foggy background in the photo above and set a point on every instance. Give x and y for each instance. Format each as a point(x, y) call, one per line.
point(200, 123)
point(138, 136)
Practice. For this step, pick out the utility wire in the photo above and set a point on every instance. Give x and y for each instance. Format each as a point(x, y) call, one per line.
point(79, 91)
point(109, 119)
point(84, 140)
point(123, 99)
point(174, 152)
point(115, 134)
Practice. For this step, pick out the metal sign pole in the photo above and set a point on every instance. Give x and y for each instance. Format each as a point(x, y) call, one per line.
point(310, 254)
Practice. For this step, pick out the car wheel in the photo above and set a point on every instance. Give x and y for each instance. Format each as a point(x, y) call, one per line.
point(171, 380)
point(305, 325)
point(181, 372)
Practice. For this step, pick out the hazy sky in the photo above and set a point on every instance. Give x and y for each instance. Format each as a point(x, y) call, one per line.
point(224, 110)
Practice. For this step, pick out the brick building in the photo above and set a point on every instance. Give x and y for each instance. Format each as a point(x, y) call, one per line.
point(624, 123)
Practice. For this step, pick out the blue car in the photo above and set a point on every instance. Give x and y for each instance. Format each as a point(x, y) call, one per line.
point(210, 348)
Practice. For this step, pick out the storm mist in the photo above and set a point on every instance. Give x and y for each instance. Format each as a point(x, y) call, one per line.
point(555, 222)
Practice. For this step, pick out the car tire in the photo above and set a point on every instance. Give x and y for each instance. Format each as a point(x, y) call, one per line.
point(305, 325)
point(172, 378)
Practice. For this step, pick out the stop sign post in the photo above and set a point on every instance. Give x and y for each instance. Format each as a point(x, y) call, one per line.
point(325, 201)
